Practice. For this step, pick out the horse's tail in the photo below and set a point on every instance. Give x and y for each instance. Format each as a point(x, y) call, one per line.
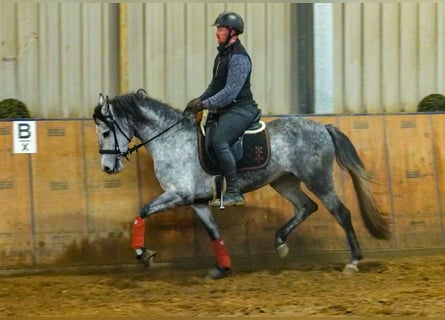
point(376, 222)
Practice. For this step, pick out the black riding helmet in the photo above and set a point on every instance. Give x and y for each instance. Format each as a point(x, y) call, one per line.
point(230, 20)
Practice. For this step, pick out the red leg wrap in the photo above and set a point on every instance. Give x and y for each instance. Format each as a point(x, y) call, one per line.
point(138, 233)
point(222, 257)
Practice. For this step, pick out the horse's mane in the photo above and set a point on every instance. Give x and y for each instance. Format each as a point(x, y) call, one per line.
point(131, 106)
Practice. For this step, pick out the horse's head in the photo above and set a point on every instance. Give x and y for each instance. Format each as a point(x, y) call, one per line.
point(113, 134)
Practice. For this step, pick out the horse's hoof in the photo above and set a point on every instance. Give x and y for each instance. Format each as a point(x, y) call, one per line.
point(217, 272)
point(350, 269)
point(282, 250)
point(146, 257)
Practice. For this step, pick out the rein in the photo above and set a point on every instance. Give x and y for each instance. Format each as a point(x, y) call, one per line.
point(136, 147)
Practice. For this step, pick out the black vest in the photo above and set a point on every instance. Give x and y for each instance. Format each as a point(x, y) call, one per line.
point(220, 71)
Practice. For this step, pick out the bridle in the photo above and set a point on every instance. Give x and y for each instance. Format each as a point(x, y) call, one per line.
point(111, 123)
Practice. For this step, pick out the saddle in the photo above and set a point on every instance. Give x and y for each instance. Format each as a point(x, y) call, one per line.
point(251, 150)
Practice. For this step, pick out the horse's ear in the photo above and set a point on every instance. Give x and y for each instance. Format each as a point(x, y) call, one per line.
point(142, 92)
point(101, 99)
point(103, 102)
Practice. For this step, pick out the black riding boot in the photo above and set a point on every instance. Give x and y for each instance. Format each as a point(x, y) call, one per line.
point(233, 196)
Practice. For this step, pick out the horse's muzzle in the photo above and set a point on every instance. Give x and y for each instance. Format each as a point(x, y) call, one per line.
point(112, 168)
point(108, 170)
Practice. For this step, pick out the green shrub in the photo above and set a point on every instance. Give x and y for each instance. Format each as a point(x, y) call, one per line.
point(13, 108)
point(432, 102)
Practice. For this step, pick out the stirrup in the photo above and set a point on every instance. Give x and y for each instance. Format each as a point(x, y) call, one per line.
point(228, 201)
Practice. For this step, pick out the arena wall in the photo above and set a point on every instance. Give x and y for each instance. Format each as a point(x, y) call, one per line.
point(59, 209)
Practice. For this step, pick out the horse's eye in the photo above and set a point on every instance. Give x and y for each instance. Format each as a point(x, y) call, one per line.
point(106, 134)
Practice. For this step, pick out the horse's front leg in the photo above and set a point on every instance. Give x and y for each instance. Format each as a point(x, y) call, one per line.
point(223, 262)
point(167, 200)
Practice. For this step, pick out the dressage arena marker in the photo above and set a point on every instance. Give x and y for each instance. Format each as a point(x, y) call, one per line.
point(25, 137)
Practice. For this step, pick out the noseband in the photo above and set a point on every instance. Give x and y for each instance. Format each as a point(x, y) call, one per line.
point(112, 125)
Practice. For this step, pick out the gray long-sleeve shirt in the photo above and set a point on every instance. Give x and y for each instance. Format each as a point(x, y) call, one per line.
point(239, 69)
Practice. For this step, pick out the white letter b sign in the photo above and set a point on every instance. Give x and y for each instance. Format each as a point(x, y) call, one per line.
point(25, 137)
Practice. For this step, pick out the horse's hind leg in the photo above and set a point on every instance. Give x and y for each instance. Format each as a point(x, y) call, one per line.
point(325, 191)
point(223, 262)
point(289, 187)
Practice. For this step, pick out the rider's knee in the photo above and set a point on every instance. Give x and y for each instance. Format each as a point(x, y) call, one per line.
point(220, 144)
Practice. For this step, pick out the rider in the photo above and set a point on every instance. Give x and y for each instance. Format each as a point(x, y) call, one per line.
point(229, 98)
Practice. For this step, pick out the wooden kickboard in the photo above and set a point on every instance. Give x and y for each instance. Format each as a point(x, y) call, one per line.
point(412, 170)
point(58, 189)
point(16, 242)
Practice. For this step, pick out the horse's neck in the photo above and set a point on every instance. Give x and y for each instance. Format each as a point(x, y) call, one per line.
point(158, 129)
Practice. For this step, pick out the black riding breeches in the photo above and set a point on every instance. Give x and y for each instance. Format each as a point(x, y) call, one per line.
point(231, 125)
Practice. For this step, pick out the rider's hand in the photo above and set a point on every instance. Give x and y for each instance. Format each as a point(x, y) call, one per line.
point(194, 106)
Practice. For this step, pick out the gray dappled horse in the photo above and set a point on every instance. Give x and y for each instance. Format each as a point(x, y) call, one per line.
point(302, 150)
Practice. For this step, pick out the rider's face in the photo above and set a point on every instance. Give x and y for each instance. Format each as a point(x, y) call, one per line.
point(222, 33)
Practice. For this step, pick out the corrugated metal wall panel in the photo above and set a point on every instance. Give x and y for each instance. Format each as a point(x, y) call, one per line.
point(390, 68)
point(171, 48)
point(57, 57)
point(371, 59)
point(387, 56)
point(440, 61)
point(409, 75)
point(8, 46)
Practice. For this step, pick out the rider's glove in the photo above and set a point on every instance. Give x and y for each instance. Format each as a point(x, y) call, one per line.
point(194, 106)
